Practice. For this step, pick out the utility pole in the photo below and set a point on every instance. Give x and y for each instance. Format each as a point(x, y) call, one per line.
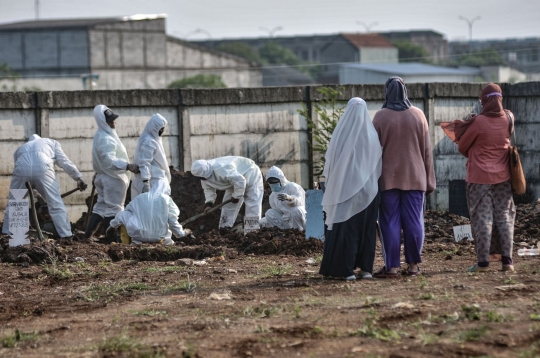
point(470, 23)
point(366, 26)
point(36, 8)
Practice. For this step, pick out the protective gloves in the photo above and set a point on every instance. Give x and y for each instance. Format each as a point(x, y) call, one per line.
point(285, 197)
point(146, 186)
point(207, 206)
point(134, 168)
point(234, 200)
point(81, 184)
point(109, 233)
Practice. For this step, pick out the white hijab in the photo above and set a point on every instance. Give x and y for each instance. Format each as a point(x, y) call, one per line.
point(353, 164)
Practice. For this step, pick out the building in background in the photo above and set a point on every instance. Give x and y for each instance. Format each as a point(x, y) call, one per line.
point(112, 53)
point(431, 41)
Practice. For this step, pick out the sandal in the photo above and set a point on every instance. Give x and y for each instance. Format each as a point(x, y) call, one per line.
point(414, 273)
point(382, 273)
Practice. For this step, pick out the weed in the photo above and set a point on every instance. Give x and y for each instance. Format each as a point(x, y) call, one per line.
point(427, 338)
point(423, 282)
point(270, 271)
point(184, 285)
point(371, 329)
point(108, 291)
point(317, 259)
point(317, 330)
point(263, 311)
point(510, 281)
point(473, 334)
point(150, 312)
point(261, 329)
point(54, 270)
point(11, 341)
point(531, 352)
point(472, 312)
point(426, 296)
point(164, 269)
point(190, 352)
point(493, 316)
point(535, 317)
point(124, 345)
point(297, 311)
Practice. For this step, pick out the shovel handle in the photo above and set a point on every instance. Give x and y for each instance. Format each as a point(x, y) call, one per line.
point(193, 218)
point(90, 206)
point(69, 192)
point(34, 212)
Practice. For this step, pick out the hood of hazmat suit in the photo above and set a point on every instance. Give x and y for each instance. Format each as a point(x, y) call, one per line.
point(39, 155)
point(109, 156)
point(150, 215)
point(226, 173)
point(149, 154)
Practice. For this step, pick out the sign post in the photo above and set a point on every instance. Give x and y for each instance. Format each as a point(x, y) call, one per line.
point(18, 218)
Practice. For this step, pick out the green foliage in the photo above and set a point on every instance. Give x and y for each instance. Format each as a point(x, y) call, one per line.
point(372, 329)
point(241, 49)
point(279, 270)
point(410, 52)
point(199, 81)
point(275, 54)
point(328, 110)
point(10, 341)
point(485, 57)
point(473, 334)
point(472, 312)
point(126, 346)
point(535, 317)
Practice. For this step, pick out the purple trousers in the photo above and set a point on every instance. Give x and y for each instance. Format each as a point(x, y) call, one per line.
point(401, 210)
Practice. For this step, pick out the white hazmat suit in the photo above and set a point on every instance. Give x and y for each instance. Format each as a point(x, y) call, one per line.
point(241, 179)
point(151, 159)
point(110, 160)
point(34, 162)
point(285, 214)
point(150, 217)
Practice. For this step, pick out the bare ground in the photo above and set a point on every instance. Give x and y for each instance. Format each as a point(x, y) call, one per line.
point(240, 305)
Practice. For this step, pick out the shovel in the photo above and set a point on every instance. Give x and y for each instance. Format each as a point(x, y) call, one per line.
point(48, 226)
point(193, 218)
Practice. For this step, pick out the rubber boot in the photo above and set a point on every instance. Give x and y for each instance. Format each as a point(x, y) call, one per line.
point(93, 223)
point(106, 223)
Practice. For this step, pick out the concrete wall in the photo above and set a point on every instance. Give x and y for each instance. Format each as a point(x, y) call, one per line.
point(350, 75)
point(379, 55)
point(259, 123)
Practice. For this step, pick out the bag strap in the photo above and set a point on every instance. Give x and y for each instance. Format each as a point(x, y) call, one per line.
point(511, 127)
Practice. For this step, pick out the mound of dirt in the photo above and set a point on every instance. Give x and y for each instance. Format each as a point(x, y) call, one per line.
point(267, 241)
point(527, 226)
point(439, 225)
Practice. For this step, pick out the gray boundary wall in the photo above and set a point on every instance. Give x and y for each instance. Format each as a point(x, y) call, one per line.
point(259, 123)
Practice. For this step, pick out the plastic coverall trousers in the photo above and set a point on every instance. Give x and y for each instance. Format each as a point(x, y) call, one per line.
point(285, 214)
point(34, 162)
point(150, 157)
point(150, 217)
point(240, 177)
point(109, 159)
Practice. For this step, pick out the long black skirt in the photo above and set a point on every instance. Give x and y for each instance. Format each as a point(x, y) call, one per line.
point(351, 244)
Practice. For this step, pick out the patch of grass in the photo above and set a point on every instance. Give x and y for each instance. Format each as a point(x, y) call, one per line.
point(126, 346)
point(297, 312)
point(531, 352)
point(190, 352)
point(427, 338)
point(371, 329)
point(426, 296)
point(318, 259)
point(423, 282)
point(278, 270)
point(472, 312)
point(150, 312)
point(55, 270)
point(184, 285)
point(164, 269)
point(96, 292)
point(263, 311)
point(10, 341)
point(510, 281)
point(535, 317)
point(473, 334)
point(317, 330)
point(493, 316)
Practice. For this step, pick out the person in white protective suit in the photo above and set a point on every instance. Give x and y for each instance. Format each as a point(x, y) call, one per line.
point(242, 181)
point(150, 217)
point(151, 159)
point(110, 162)
point(287, 202)
point(34, 163)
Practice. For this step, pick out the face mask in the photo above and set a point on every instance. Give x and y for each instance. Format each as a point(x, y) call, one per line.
point(275, 187)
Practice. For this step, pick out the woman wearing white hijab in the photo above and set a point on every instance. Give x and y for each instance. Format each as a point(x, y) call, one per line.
point(350, 202)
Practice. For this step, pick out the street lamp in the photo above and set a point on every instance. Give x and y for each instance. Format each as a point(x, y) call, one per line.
point(366, 26)
point(271, 32)
point(198, 31)
point(470, 23)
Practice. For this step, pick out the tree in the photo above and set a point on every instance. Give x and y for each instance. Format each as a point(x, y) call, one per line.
point(7, 73)
point(275, 54)
point(410, 52)
point(329, 111)
point(485, 57)
point(240, 49)
point(199, 81)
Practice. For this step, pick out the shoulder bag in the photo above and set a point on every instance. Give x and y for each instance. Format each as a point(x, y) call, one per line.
point(517, 178)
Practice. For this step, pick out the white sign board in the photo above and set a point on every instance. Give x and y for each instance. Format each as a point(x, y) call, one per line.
point(18, 217)
point(463, 232)
point(251, 223)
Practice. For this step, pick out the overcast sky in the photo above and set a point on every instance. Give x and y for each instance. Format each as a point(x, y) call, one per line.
point(243, 18)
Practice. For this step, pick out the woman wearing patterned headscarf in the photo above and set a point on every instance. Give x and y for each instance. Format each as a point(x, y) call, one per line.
point(486, 142)
point(407, 175)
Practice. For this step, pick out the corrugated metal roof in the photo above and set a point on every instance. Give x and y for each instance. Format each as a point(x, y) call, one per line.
point(413, 69)
point(71, 23)
point(367, 40)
